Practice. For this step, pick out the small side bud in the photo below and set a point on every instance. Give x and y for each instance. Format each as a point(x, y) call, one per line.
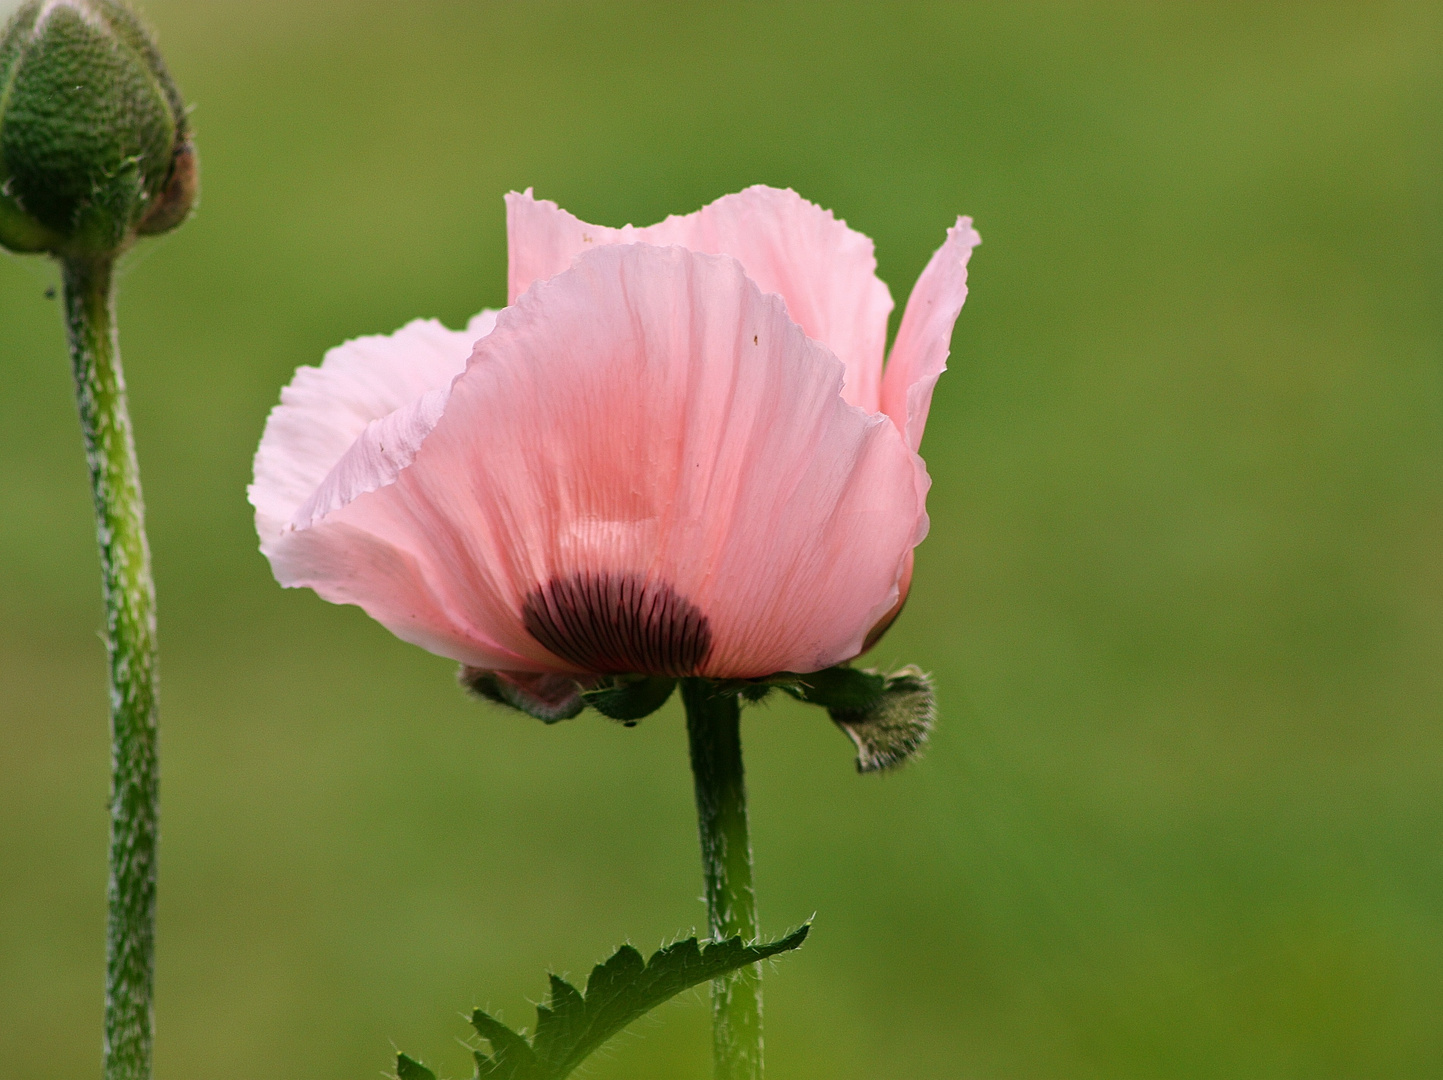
point(889, 717)
point(95, 147)
point(896, 725)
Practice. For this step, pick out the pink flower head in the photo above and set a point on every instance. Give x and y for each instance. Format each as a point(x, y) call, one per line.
point(676, 452)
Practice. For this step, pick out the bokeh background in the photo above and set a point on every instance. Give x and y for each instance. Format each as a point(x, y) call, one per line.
point(1183, 594)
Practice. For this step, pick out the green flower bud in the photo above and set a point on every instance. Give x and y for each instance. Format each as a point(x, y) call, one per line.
point(94, 143)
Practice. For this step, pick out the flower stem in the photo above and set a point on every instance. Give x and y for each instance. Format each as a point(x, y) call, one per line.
point(130, 640)
point(713, 725)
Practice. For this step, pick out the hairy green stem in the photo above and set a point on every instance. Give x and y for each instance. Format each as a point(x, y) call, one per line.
point(130, 640)
point(713, 725)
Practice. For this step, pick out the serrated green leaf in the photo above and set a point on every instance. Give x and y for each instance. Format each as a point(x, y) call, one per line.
point(511, 1055)
point(622, 990)
point(410, 1069)
point(572, 1025)
point(623, 968)
point(556, 1022)
point(629, 698)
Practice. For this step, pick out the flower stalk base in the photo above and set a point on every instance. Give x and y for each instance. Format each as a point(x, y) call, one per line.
point(129, 594)
point(713, 724)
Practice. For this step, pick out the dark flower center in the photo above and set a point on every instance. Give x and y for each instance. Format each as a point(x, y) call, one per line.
point(618, 624)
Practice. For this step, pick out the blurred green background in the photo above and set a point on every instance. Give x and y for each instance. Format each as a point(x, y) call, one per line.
point(1183, 594)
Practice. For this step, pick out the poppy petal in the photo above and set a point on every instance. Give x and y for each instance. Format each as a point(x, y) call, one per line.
point(919, 355)
point(825, 271)
point(326, 409)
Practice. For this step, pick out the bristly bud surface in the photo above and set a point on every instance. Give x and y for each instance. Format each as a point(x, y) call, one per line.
point(94, 143)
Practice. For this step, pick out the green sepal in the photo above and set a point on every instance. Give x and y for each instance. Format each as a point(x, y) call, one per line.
point(410, 1069)
point(838, 687)
point(894, 726)
point(20, 232)
point(752, 693)
point(629, 698)
point(571, 1025)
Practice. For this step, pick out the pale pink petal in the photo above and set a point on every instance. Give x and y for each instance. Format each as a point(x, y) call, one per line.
point(649, 432)
point(386, 447)
point(904, 587)
point(326, 409)
point(350, 565)
point(919, 355)
point(330, 417)
point(826, 272)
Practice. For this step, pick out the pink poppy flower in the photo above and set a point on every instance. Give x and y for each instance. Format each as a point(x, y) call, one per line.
point(676, 452)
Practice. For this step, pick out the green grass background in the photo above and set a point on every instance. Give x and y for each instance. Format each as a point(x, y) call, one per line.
point(1183, 595)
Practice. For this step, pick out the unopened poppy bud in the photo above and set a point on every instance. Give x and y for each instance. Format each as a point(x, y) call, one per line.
point(94, 143)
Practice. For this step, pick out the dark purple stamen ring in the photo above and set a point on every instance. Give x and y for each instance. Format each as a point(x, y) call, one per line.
point(619, 624)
